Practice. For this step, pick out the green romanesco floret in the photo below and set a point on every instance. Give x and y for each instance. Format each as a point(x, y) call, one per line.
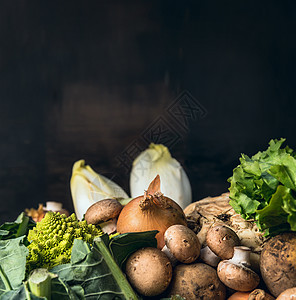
point(51, 240)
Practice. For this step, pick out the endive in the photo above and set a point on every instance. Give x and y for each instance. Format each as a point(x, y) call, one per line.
point(88, 187)
point(157, 160)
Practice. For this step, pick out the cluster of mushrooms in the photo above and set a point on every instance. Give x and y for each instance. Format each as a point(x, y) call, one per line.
point(218, 269)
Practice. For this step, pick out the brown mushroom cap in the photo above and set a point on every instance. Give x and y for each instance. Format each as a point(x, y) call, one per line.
point(237, 276)
point(103, 211)
point(221, 239)
point(183, 243)
point(288, 294)
point(196, 281)
point(149, 271)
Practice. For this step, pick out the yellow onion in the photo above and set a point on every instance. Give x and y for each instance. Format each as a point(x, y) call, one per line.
point(151, 211)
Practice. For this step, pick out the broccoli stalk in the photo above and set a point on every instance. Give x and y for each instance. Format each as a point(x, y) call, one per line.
point(40, 283)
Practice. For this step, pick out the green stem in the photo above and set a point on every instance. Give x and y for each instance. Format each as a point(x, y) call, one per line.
point(40, 283)
point(116, 271)
point(5, 280)
point(28, 296)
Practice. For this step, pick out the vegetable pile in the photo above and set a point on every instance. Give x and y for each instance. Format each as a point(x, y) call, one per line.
point(263, 188)
point(115, 247)
point(89, 271)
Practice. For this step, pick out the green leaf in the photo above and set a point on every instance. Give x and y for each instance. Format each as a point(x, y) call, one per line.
point(289, 206)
point(61, 290)
point(285, 172)
point(94, 269)
point(22, 293)
point(19, 227)
point(261, 188)
point(273, 214)
point(123, 245)
point(13, 255)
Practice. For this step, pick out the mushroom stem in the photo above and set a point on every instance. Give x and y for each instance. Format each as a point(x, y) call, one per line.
point(170, 255)
point(241, 256)
point(109, 226)
point(209, 257)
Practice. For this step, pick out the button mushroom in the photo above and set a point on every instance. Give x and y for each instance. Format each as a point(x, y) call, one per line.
point(235, 272)
point(149, 271)
point(221, 240)
point(104, 213)
point(196, 281)
point(181, 244)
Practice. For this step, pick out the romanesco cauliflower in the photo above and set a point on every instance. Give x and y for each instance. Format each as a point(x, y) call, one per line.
point(51, 240)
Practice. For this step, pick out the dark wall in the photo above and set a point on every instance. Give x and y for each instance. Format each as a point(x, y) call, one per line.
point(94, 79)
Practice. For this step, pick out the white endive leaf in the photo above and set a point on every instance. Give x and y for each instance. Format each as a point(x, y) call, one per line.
point(88, 187)
point(157, 160)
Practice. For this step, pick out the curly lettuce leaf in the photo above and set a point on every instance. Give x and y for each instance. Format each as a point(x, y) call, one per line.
point(262, 188)
point(273, 218)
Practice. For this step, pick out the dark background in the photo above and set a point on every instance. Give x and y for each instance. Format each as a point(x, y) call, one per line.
point(89, 79)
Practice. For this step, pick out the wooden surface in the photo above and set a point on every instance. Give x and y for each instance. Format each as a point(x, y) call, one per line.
point(93, 80)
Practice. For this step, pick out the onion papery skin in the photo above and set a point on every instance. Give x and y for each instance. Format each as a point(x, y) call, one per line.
point(155, 212)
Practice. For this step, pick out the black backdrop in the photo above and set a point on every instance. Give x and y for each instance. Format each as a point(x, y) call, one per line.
point(100, 79)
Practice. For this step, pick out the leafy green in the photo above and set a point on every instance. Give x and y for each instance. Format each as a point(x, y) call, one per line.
point(19, 227)
point(263, 188)
point(91, 273)
point(61, 290)
point(13, 255)
point(123, 245)
point(22, 293)
point(94, 269)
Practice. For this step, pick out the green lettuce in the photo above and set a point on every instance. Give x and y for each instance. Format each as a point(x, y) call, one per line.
point(263, 188)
